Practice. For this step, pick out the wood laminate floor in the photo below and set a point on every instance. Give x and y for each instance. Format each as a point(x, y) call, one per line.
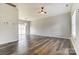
point(39, 45)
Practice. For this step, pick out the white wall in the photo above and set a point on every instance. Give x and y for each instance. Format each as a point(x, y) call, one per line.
point(8, 24)
point(55, 26)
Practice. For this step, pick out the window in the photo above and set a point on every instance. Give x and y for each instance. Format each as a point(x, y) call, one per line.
point(74, 25)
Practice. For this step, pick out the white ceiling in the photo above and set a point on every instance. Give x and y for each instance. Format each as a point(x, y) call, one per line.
point(29, 11)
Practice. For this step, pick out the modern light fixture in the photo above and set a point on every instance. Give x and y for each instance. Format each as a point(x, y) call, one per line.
point(42, 11)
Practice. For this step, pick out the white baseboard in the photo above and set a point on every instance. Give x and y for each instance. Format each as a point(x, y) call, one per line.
point(51, 36)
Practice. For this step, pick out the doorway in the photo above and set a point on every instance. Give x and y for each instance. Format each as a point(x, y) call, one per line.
point(22, 32)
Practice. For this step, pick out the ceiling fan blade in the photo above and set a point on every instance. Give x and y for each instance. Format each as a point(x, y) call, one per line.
point(41, 10)
point(45, 12)
point(42, 7)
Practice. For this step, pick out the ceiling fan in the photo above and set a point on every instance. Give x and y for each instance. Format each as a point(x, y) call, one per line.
point(42, 11)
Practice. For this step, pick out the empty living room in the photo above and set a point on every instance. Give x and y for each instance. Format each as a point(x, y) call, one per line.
point(39, 28)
